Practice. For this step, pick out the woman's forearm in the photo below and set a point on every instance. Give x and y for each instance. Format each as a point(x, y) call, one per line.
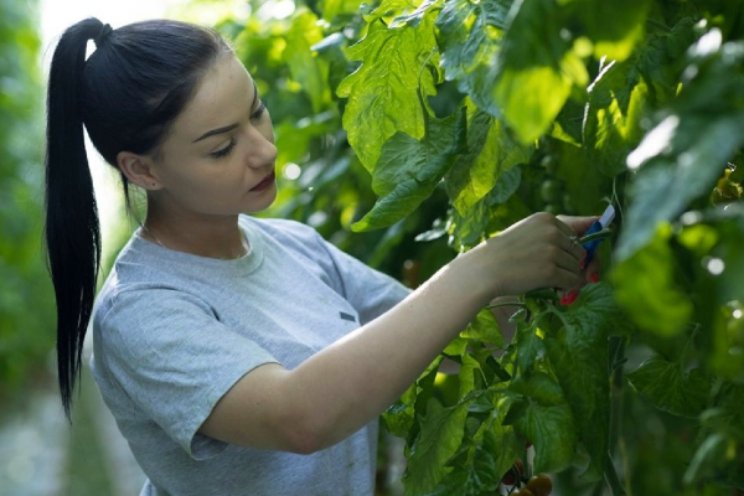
point(351, 382)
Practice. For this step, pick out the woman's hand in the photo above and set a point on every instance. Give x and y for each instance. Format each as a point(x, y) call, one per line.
point(540, 251)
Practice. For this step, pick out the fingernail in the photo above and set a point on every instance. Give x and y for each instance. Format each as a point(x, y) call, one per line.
point(569, 297)
point(582, 263)
point(594, 277)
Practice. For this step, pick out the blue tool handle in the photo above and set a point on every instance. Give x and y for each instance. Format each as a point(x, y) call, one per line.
point(591, 246)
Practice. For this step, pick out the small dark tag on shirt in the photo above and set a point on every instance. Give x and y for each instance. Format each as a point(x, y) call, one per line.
point(346, 316)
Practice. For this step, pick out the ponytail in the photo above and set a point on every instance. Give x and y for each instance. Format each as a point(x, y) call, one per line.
point(126, 95)
point(72, 231)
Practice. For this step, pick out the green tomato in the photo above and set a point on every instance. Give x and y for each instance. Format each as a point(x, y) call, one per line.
point(550, 164)
point(551, 191)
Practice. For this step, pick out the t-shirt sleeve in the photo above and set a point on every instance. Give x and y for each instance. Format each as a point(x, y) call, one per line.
point(369, 291)
point(175, 360)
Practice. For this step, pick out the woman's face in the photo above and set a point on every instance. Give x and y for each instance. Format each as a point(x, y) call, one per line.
point(218, 158)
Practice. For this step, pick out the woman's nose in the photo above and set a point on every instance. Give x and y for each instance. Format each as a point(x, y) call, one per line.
point(262, 150)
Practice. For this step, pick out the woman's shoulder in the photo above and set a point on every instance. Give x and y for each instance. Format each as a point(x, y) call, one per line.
point(138, 269)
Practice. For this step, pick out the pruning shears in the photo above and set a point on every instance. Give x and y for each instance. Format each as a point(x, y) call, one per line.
point(590, 241)
point(591, 238)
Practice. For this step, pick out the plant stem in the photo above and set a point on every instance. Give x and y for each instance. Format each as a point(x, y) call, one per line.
point(617, 357)
point(597, 235)
point(612, 479)
point(507, 304)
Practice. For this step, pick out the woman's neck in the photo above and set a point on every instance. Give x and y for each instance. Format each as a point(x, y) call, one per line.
point(207, 236)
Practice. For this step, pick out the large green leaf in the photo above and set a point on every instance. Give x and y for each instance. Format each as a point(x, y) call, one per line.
point(613, 26)
point(409, 170)
point(646, 289)
point(383, 93)
point(681, 158)
point(663, 190)
point(671, 388)
point(546, 421)
point(489, 452)
point(311, 72)
point(613, 116)
point(536, 68)
point(491, 154)
point(442, 430)
point(578, 350)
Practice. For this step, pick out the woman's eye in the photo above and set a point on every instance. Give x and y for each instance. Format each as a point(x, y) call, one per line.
point(223, 151)
point(258, 112)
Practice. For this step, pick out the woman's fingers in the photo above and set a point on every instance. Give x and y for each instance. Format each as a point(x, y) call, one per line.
point(568, 279)
point(577, 225)
point(537, 252)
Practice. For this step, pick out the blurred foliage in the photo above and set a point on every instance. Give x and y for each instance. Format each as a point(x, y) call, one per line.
point(430, 125)
point(26, 302)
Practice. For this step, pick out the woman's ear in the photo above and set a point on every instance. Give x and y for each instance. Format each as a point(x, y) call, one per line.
point(138, 169)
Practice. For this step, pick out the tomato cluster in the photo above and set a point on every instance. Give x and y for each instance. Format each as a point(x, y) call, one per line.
point(537, 485)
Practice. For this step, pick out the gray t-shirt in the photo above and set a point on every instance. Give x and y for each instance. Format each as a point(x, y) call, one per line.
point(173, 332)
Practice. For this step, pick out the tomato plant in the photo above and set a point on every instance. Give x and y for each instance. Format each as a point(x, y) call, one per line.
point(430, 125)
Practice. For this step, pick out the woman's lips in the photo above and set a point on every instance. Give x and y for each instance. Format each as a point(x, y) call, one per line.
point(268, 181)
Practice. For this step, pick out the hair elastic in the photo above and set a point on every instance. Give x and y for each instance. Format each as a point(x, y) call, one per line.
point(103, 34)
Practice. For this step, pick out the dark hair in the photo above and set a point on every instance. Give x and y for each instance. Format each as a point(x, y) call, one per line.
point(126, 94)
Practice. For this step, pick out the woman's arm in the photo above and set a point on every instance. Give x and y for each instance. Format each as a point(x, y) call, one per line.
point(348, 384)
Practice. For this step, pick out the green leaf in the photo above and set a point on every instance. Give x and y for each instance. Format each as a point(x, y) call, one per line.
point(408, 170)
point(547, 422)
point(536, 69)
point(670, 388)
point(613, 116)
point(530, 347)
point(383, 93)
point(311, 72)
point(469, 40)
point(579, 352)
point(468, 369)
point(442, 430)
point(614, 26)
point(646, 289)
point(490, 452)
point(399, 418)
point(485, 328)
point(333, 8)
point(491, 155)
point(663, 190)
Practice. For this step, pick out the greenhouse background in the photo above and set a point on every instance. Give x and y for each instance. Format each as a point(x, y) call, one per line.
point(465, 116)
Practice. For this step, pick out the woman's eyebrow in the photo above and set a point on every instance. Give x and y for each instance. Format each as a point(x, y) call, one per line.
point(230, 127)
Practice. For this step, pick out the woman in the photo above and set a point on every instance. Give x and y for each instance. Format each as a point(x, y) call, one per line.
point(238, 356)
